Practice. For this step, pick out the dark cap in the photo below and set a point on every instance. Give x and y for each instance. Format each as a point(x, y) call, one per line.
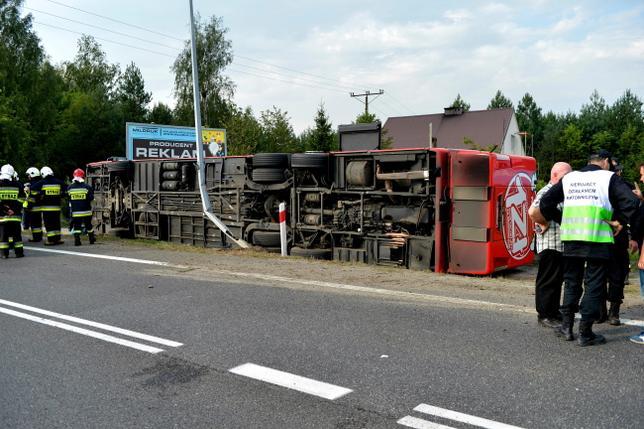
point(600, 154)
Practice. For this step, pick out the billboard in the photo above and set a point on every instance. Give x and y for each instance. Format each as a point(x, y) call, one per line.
point(152, 141)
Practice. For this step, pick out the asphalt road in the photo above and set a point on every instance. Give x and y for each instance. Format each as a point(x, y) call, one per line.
point(392, 353)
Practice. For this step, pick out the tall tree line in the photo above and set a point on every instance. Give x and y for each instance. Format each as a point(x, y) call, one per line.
point(65, 115)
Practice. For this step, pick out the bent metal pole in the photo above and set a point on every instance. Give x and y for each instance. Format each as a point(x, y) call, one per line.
point(205, 200)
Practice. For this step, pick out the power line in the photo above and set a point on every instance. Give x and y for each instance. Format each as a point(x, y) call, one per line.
point(103, 28)
point(182, 40)
point(400, 103)
point(116, 20)
point(104, 40)
point(286, 81)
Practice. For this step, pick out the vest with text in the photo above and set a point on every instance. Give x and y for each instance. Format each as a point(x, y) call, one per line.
point(587, 208)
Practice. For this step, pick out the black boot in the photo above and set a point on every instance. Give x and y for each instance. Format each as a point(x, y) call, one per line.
point(77, 240)
point(603, 313)
point(20, 252)
point(4, 254)
point(613, 314)
point(586, 335)
point(92, 237)
point(36, 237)
point(567, 323)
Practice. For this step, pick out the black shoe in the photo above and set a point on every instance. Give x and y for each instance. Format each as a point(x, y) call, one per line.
point(92, 238)
point(549, 322)
point(586, 335)
point(20, 253)
point(613, 314)
point(567, 323)
point(77, 240)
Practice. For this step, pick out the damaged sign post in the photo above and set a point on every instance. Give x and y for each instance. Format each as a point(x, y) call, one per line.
point(205, 200)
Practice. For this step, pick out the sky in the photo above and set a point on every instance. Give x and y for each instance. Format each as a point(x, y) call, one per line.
point(296, 55)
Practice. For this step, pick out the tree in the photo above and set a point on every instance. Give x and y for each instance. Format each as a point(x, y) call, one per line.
point(529, 119)
point(500, 101)
point(243, 132)
point(277, 132)
point(366, 118)
point(90, 71)
point(320, 137)
point(214, 54)
point(459, 103)
point(131, 94)
point(572, 145)
point(160, 114)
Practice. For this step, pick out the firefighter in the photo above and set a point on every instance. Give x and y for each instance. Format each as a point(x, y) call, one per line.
point(80, 197)
point(33, 215)
point(50, 192)
point(591, 197)
point(11, 195)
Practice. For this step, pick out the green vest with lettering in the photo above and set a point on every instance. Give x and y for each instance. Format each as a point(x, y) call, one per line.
point(587, 208)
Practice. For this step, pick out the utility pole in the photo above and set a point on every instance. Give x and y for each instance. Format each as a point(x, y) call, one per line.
point(366, 96)
point(201, 163)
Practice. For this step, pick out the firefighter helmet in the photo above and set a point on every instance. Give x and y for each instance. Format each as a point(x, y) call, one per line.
point(32, 172)
point(7, 172)
point(46, 171)
point(79, 174)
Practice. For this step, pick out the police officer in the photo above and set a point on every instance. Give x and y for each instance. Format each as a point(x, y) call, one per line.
point(591, 197)
point(33, 215)
point(80, 197)
point(11, 195)
point(50, 192)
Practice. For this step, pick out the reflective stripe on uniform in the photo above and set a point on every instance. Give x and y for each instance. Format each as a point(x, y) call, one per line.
point(52, 233)
point(49, 209)
point(18, 245)
point(10, 219)
point(82, 214)
point(51, 189)
point(36, 230)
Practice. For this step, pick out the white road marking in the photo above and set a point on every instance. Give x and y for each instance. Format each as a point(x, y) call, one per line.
point(365, 289)
point(291, 381)
point(416, 423)
point(87, 332)
point(98, 325)
point(461, 417)
point(113, 258)
point(630, 322)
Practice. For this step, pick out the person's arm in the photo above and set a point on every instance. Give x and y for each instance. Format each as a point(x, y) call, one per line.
point(549, 204)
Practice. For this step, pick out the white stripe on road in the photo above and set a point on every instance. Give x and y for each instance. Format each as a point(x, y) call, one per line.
point(102, 326)
point(113, 258)
point(87, 332)
point(416, 423)
point(365, 289)
point(630, 322)
point(461, 417)
point(291, 381)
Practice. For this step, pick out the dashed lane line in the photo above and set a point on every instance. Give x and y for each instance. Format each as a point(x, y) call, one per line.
point(82, 331)
point(98, 325)
point(291, 381)
point(340, 286)
point(462, 417)
point(416, 423)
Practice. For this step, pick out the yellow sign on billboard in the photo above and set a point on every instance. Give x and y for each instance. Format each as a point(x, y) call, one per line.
point(214, 142)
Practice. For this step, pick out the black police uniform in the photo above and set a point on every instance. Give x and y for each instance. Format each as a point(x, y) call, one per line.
point(50, 191)
point(80, 197)
point(11, 200)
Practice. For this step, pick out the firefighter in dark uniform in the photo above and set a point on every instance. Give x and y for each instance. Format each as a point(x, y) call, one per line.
point(11, 200)
point(50, 192)
point(33, 215)
point(80, 197)
point(597, 205)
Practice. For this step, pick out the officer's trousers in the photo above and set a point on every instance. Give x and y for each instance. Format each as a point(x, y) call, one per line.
point(34, 221)
point(52, 225)
point(591, 273)
point(10, 232)
point(81, 224)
